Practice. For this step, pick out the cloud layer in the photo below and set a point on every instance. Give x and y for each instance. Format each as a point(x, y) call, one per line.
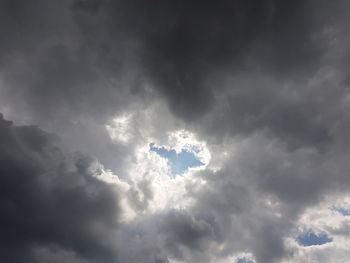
point(259, 90)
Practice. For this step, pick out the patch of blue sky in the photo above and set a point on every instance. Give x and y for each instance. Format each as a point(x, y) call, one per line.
point(179, 162)
point(312, 239)
point(244, 260)
point(343, 211)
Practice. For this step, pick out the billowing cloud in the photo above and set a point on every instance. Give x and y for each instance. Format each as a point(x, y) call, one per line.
point(50, 202)
point(174, 131)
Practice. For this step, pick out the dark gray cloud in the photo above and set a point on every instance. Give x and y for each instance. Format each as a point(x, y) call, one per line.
point(50, 200)
point(231, 66)
point(184, 41)
point(241, 62)
point(181, 43)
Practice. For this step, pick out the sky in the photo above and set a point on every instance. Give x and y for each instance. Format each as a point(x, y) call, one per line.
point(178, 162)
point(312, 239)
point(174, 131)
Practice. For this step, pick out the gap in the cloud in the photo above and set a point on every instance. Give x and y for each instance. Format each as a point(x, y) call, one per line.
point(343, 211)
point(312, 239)
point(244, 260)
point(179, 162)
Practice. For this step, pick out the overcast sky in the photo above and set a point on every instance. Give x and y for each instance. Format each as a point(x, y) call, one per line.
point(174, 131)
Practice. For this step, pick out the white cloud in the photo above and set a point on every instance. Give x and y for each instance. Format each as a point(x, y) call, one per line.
point(119, 128)
point(323, 219)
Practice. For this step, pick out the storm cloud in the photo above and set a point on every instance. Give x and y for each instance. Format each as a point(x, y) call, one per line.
point(256, 92)
point(50, 200)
